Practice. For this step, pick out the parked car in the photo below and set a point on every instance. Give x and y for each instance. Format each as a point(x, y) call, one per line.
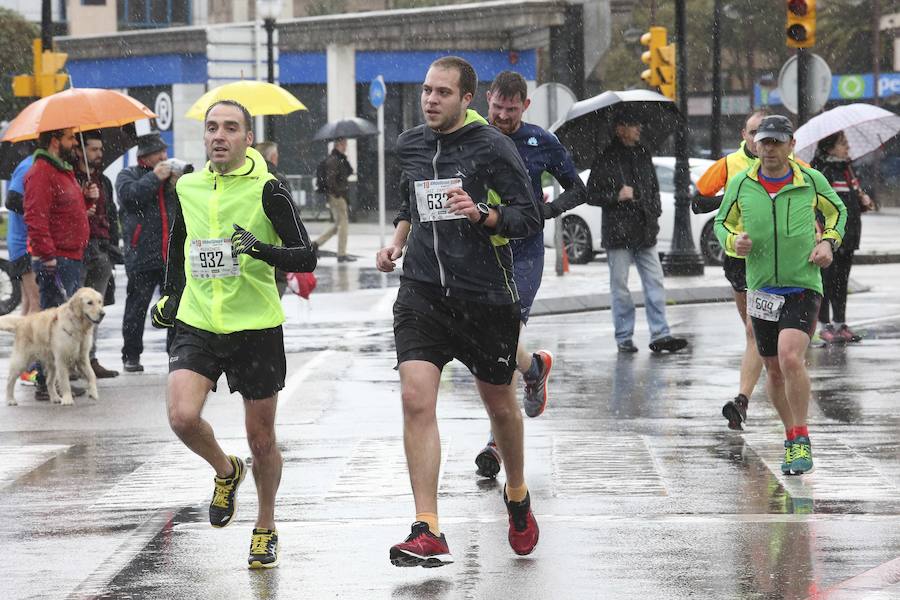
point(581, 225)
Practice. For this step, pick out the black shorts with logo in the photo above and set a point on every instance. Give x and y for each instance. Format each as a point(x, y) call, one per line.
point(736, 273)
point(431, 327)
point(800, 311)
point(253, 361)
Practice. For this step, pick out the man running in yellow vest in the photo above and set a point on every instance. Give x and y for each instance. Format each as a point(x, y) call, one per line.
point(713, 181)
point(235, 224)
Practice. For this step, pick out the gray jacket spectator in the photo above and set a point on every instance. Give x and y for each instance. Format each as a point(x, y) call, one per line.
point(147, 204)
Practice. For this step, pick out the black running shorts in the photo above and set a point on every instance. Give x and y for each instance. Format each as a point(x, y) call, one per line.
point(253, 361)
point(800, 311)
point(736, 273)
point(431, 327)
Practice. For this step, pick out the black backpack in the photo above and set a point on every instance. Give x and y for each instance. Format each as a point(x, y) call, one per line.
point(321, 176)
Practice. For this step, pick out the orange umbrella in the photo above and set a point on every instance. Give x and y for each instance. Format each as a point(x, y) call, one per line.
point(78, 108)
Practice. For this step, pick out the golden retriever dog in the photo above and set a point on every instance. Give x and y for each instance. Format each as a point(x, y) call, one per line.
point(57, 338)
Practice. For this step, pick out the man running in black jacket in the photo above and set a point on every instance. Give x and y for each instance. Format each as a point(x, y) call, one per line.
point(457, 296)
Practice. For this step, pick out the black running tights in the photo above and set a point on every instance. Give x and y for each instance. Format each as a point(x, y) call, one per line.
point(834, 280)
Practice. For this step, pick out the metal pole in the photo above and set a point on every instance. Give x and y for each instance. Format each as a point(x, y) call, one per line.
point(557, 224)
point(683, 259)
point(257, 55)
point(876, 51)
point(46, 26)
point(802, 86)
point(270, 57)
point(381, 202)
point(715, 132)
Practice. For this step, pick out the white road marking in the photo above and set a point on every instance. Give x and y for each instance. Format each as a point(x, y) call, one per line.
point(18, 460)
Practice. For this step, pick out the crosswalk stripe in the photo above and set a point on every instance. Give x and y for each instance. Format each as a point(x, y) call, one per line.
point(611, 465)
point(839, 473)
point(18, 460)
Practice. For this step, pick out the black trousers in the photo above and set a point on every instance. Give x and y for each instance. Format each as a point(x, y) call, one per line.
point(139, 295)
point(834, 280)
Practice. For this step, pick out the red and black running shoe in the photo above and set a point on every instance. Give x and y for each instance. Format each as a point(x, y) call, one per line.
point(421, 549)
point(523, 528)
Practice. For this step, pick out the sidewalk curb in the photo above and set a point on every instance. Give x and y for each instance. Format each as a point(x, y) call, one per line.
point(591, 302)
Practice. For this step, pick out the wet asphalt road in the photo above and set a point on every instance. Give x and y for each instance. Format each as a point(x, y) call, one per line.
point(639, 488)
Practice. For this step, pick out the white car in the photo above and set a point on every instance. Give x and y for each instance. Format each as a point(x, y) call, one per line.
point(581, 225)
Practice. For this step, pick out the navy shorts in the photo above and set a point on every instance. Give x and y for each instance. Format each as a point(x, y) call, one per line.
point(800, 311)
point(528, 270)
point(253, 361)
point(432, 327)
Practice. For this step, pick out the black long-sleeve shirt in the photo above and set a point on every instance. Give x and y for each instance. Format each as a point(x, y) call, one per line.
point(295, 256)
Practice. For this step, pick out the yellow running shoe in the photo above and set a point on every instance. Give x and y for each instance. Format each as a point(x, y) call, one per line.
point(224, 502)
point(263, 549)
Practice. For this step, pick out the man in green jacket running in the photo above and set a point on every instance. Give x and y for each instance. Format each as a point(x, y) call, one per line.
point(776, 199)
point(235, 224)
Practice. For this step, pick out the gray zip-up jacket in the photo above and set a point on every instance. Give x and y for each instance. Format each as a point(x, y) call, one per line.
point(466, 260)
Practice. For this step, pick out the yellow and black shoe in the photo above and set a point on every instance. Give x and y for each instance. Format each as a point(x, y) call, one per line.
point(224, 502)
point(263, 549)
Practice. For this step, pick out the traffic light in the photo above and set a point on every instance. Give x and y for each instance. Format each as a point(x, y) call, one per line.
point(666, 71)
point(801, 23)
point(660, 57)
point(46, 79)
point(654, 40)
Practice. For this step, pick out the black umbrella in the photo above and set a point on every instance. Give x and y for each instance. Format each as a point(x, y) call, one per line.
point(116, 142)
point(346, 128)
point(587, 128)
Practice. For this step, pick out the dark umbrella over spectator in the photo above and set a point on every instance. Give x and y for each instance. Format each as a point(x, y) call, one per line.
point(587, 128)
point(346, 128)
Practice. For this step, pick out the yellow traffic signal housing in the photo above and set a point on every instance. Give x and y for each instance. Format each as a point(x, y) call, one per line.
point(801, 23)
point(654, 40)
point(47, 79)
point(666, 71)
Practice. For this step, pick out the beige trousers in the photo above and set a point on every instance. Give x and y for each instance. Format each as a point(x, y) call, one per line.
point(338, 206)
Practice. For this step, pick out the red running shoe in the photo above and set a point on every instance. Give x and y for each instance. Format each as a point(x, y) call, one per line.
point(421, 549)
point(523, 528)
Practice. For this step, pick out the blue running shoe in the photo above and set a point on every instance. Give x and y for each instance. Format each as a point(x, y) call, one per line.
point(802, 461)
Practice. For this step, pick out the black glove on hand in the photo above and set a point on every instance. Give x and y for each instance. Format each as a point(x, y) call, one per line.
point(244, 242)
point(548, 211)
point(163, 314)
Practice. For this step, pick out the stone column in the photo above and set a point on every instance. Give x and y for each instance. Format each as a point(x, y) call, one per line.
point(341, 67)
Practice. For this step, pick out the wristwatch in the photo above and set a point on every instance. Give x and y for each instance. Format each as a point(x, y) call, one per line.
point(832, 243)
point(484, 210)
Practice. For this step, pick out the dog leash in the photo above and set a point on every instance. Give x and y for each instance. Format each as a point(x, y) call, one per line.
point(60, 287)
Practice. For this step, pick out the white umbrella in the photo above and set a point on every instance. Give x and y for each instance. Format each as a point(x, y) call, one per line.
point(867, 128)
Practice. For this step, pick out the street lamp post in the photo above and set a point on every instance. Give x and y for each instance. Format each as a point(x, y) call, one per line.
point(268, 11)
point(715, 135)
point(683, 259)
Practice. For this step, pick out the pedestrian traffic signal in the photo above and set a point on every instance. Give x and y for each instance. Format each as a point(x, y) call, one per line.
point(801, 23)
point(654, 40)
point(666, 71)
point(46, 79)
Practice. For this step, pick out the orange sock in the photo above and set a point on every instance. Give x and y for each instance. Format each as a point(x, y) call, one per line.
point(516, 494)
point(431, 519)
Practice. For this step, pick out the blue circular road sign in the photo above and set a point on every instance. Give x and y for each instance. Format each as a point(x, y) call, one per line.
point(377, 92)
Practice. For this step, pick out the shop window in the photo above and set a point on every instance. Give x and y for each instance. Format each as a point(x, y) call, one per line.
point(147, 14)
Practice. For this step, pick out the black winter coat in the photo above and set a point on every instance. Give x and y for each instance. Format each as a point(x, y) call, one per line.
point(629, 224)
point(143, 213)
point(843, 180)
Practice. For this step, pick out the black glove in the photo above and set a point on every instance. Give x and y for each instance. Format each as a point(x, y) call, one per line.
point(163, 313)
point(548, 211)
point(244, 242)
